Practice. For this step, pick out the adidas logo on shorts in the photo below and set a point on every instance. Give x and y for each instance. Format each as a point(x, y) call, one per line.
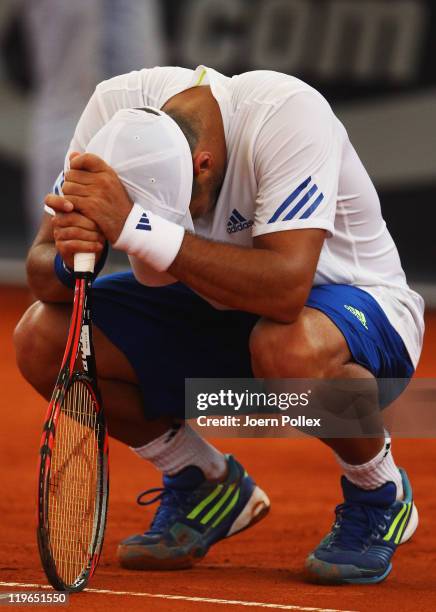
point(237, 222)
point(144, 223)
point(358, 314)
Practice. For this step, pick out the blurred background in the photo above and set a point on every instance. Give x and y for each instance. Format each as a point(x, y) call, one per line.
point(374, 60)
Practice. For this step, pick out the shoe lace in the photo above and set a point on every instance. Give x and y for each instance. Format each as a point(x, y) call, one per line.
point(171, 501)
point(358, 525)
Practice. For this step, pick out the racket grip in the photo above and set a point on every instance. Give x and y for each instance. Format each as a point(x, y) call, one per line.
point(84, 262)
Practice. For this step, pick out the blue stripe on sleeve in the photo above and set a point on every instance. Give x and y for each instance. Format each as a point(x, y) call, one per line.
point(313, 206)
point(301, 203)
point(57, 187)
point(289, 200)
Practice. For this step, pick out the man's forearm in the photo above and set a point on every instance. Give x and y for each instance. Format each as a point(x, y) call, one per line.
point(41, 276)
point(251, 279)
point(273, 279)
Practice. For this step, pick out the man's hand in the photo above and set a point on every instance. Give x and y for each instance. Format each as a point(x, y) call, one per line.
point(74, 233)
point(94, 190)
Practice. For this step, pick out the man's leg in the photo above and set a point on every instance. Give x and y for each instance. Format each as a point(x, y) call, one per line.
point(206, 495)
point(40, 339)
point(40, 342)
point(314, 347)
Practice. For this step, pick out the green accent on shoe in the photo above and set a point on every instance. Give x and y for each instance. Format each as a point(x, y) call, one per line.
point(403, 525)
point(206, 518)
point(225, 512)
point(196, 511)
point(392, 528)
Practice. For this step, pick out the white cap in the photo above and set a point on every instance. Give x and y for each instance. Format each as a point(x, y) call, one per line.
point(150, 154)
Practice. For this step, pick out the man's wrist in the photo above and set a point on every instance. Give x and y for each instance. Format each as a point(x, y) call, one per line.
point(63, 272)
point(150, 238)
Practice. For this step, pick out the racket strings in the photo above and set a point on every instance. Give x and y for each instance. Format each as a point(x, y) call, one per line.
point(73, 483)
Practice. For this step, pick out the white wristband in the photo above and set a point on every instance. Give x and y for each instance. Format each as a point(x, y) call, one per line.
point(150, 238)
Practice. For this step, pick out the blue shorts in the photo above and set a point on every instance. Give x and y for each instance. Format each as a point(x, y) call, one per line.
point(170, 333)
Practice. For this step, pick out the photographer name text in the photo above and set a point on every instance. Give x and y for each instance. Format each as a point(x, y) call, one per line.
point(249, 421)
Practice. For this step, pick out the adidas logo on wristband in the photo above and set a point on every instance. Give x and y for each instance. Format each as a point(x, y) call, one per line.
point(144, 223)
point(158, 248)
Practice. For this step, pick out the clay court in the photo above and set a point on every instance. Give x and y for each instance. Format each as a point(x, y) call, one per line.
point(259, 569)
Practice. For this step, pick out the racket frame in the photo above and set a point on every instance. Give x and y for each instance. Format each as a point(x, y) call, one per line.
point(79, 339)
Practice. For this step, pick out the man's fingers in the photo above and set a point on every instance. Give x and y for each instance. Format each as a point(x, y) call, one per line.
point(69, 188)
point(83, 177)
point(76, 233)
point(89, 162)
point(75, 201)
point(58, 203)
point(74, 219)
point(68, 249)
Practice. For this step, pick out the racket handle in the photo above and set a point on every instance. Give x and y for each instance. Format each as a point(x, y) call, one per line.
point(84, 262)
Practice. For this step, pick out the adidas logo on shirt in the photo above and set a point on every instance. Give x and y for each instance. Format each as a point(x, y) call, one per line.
point(237, 222)
point(359, 314)
point(144, 223)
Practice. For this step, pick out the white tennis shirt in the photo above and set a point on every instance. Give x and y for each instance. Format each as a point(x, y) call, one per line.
point(290, 165)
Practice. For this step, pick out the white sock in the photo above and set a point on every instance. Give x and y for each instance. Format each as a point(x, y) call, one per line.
point(181, 447)
point(376, 472)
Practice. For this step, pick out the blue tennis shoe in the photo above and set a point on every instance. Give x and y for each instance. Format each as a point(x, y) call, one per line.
point(193, 514)
point(368, 528)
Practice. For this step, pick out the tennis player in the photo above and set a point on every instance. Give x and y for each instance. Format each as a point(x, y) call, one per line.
point(257, 247)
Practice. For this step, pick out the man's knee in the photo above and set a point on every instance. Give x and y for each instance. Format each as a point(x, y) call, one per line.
point(37, 354)
point(292, 350)
point(40, 339)
point(25, 339)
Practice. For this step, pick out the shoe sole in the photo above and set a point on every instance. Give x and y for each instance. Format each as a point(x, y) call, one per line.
point(136, 557)
point(330, 573)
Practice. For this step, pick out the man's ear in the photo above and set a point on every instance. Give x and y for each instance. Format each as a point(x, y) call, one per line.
point(203, 162)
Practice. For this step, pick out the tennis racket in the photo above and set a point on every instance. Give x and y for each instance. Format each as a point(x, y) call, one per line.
point(73, 481)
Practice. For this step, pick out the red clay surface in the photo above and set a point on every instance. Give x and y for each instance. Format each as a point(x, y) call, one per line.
point(263, 564)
